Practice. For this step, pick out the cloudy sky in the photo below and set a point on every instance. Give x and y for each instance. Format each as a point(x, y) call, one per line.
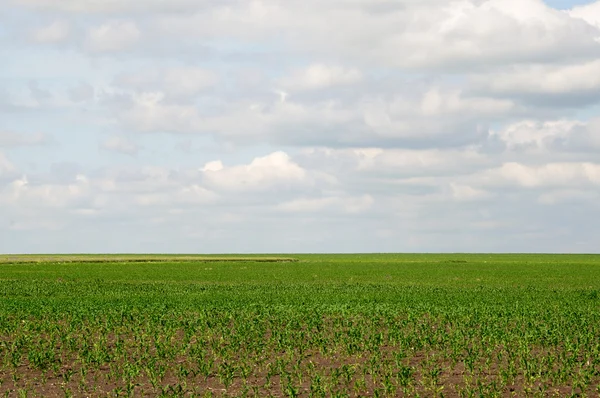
point(299, 126)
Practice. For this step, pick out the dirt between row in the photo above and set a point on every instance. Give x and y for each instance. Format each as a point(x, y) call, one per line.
point(77, 381)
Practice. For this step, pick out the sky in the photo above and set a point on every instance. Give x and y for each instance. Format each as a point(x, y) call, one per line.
point(271, 126)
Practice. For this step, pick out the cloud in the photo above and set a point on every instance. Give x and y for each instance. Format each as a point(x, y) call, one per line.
point(562, 196)
point(150, 113)
point(175, 82)
point(120, 145)
point(105, 194)
point(570, 85)
point(398, 162)
point(113, 6)
point(399, 120)
point(547, 175)
point(318, 76)
point(467, 193)
point(9, 139)
point(437, 103)
point(464, 125)
point(550, 136)
point(38, 94)
point(332, 204)
point(112, 36)
point(82, 92)
point(275, 170)
point(184, 82)
point(6, 167)
point(20, 193)
point(589, 13)
point(58, 31)
point(461, 35)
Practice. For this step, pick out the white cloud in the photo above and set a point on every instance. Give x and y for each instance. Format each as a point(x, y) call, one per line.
point(112, 36)
point(399, 162)
point(532, 134)
point(215, 165)
point(436, 125)
point(58, 31)
point(106, 194)
point(186, 195)
point(461, 35)
point(439, 113)
point(188, 81)
point(332, 204)
point(323, 122)
point(467, 193)
point(547, 175)
point(20, 193)
point(121, 145)
point(13, 139)
point(176, 82)
point(113, 6)
point(242, 121)
point(589, 13)
point(550, 136)
point(319, 76)
point(150, 113)
point(580, 78)
point(436, 103)
point(271, 171)
point(560, 196)
point(6, 167)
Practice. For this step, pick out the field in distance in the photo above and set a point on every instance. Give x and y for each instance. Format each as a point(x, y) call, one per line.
point(300, 325)
point(135, 258)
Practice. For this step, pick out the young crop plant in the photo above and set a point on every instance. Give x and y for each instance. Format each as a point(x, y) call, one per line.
point(405, 325)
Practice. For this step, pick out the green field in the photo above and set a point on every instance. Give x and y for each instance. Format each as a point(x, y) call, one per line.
point(468, 325)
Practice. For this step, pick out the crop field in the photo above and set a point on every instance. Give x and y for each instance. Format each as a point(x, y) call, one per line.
point(387, 325)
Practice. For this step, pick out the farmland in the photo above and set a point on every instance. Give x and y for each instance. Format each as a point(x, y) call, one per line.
point(456, 325)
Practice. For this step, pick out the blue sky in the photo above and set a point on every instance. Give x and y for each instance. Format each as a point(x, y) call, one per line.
point(299, 126)
point(566, 4)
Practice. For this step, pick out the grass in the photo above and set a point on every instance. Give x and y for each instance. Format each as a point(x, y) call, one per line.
point(300, 325)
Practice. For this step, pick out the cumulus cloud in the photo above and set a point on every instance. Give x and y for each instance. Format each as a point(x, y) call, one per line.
point(275, 170)
point(589, 13)
point(398, 162)
point(176, 82)
point(462, 34)
point(21, 193)
point(56, 32)
point(111, 192)
point(547, 175)
point(465, 34)
point(6, 167)
point(401, 119)
point(150, 113)
point(550, 136)
point(436, 103)
point(328, 204)
point(547, 79)
point(435, 125)
point(112, 6)
point(112, 36)
point(566, 85)
point(566, 196)
point(13, 139)
point(467, 193)
point(319, 76)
